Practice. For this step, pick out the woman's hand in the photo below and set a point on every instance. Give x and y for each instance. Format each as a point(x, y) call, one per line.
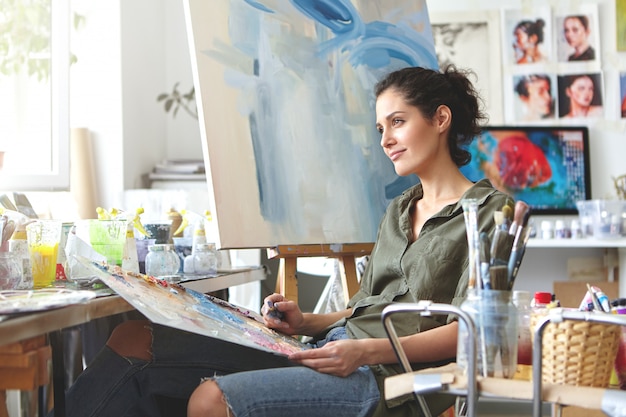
point(339, 358)
point(282, 314)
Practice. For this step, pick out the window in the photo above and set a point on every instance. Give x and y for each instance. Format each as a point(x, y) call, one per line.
point(34, 95)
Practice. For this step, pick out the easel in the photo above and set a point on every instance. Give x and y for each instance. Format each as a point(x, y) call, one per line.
point(287, 281)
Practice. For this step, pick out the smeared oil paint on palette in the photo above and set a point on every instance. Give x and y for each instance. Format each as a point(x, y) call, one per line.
point(176, 306)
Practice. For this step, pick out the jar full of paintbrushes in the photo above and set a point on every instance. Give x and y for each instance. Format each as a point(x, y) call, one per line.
point(495, 319)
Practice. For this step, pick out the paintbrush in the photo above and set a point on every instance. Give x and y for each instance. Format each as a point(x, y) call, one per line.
point(518, 248)
point(521, 208)
point(507, 217)
point(485, 247)
point(499, 238)
point(498, 277)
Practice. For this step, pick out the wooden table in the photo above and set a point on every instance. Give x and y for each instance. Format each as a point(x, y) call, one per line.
point(52, 322)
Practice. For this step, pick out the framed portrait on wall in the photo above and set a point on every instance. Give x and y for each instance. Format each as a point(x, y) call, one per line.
point(527, 37)
point(577, 35)
point(580, 95)
point(534, 96)
point(471, 40)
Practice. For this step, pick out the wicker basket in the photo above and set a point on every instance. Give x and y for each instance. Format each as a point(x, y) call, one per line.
point(580, 353)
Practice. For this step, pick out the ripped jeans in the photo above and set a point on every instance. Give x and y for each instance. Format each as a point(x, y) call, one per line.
point(301, 391)
point(127, 387)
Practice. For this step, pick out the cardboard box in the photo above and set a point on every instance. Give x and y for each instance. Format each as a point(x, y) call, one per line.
point(571, 293)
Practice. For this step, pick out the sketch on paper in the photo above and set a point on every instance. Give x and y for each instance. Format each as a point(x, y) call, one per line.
point(287, 113)
point(176, 306)
point(471, 41)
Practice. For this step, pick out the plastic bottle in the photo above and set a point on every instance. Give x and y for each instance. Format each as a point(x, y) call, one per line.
point(541, 300)
point(521, 300)
point(199, 236)
point(130, 261)
point(547, 231)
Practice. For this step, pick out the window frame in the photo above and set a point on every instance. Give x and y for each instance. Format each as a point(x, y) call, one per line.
point(58, 178)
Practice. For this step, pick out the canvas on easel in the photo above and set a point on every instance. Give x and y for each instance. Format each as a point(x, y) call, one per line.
point(286, 110)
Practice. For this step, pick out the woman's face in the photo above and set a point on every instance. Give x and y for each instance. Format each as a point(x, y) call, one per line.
point(539, 97)
point(581, 91)
point(408, 139)
point(575, 33)
point(522, 40)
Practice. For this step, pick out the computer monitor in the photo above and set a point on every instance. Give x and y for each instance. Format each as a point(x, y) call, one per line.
point(545, 166)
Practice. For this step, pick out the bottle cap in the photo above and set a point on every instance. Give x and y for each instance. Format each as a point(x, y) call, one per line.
point(543, 297)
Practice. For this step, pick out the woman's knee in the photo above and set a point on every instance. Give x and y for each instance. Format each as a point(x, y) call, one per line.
point(208, 401)
point(132, 339)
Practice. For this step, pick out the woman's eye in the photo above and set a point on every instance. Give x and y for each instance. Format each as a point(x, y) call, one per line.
point(396, 122)
point(380, 130)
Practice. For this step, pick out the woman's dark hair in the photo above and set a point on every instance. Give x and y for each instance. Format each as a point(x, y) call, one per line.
point(532, 28)
point(584, 20)
point(521, 88)
point(427, 89)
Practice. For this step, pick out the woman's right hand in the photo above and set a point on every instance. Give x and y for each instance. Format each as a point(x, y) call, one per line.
point(282, 314)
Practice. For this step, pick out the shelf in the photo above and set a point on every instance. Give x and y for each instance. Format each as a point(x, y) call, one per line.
point(576, 243)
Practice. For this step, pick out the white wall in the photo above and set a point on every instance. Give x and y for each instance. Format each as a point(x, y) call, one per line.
point(128, 53)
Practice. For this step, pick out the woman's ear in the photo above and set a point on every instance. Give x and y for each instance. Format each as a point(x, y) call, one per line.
point(443, 117)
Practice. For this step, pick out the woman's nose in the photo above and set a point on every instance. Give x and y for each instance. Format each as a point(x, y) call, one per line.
point(386, 139)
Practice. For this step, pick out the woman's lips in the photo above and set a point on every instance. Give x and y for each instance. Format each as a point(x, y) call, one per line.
point(395, 154)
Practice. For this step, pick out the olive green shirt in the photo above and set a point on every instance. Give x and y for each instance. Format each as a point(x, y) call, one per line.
point(433, 267)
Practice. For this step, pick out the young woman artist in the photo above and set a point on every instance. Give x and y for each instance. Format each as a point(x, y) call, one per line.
point(424, 117)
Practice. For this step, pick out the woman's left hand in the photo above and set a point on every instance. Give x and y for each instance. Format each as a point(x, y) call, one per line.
point(339, 358)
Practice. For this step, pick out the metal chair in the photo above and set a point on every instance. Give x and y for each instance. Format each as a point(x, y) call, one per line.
point(427, 308)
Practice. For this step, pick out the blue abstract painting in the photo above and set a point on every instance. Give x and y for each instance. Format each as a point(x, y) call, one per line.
point(284, 90)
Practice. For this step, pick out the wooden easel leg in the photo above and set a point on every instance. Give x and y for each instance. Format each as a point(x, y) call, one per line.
point(349, 280)
point(4, 412)
point(287, 281)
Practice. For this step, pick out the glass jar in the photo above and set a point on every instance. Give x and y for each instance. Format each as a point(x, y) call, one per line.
point(495, 318)
point(19, 247)
point(205, 259)
point(162, 261)
point(521, 300)
point(10, 271)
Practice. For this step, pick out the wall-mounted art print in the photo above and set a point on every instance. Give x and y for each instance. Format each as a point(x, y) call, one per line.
point(470, 40)
point(284, 92)
point(580, 96)
point(577, 35)
point(527, 37)
point(535, 96)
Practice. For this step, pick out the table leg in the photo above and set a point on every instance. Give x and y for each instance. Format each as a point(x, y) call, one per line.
point(58, 373)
